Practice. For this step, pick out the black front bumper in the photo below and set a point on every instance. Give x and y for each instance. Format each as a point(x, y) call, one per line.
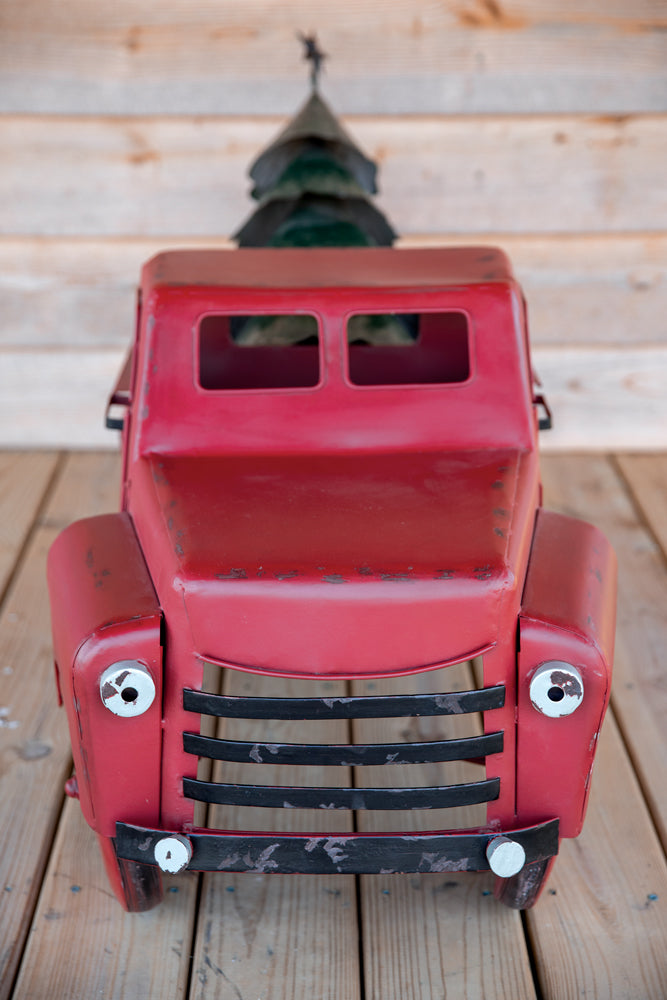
point(354, 853)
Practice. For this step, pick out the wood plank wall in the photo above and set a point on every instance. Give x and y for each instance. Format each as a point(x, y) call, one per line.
point(539, 126)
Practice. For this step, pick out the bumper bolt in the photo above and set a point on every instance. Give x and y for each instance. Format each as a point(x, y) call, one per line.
point(506, 857)
point(173, 854)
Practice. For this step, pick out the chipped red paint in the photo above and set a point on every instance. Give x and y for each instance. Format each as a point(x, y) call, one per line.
point(332, 529)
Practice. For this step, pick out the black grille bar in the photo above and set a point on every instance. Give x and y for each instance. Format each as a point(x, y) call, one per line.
point(287, 797)
point(350, 755)
point(315, 854)
point(387, 707)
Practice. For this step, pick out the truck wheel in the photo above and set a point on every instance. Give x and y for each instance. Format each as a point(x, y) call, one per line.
point(520, 892)
point(137, 887)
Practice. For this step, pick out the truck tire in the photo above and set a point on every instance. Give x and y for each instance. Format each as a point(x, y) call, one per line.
point(521, 891)
point(137, 887)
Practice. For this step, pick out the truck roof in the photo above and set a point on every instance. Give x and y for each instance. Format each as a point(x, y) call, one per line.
point(489, 408)
point(369, 267)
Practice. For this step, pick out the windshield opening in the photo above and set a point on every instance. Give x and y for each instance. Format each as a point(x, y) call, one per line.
point(276, 351)
point(408, 348)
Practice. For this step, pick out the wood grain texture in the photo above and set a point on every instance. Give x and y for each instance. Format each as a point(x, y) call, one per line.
point(646, 478)
point(206, 57)
point(592, 290)
point(34, 742)
point(24, 480)
point(130, 126)
point(276, 937)
point(603, 398)
point(443, 935)
point(57, 397)
point(445, 175)
point(589, 488)
point(272, 937)
point(82, 944)
point(600, 929)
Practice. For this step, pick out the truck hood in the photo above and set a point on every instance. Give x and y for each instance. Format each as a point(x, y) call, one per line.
point(342, 565)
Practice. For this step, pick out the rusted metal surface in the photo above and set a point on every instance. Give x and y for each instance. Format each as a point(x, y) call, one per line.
point(520, 891)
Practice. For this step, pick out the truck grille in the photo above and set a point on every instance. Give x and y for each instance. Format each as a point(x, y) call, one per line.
point(318, 827)
point(343, 755)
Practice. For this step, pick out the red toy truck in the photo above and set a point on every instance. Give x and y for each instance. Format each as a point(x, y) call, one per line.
point(357, 496)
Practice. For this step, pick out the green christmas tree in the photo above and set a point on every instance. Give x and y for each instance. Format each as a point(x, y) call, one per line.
point(313, 184)
point(314, 187)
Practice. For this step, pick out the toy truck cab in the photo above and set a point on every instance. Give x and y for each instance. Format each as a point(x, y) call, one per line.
point(330, 471)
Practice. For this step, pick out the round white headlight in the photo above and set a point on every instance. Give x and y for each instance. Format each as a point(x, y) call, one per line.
point(127, 688)
point(556, 689)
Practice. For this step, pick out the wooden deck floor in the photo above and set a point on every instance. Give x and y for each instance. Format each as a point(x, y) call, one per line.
point(598, 932)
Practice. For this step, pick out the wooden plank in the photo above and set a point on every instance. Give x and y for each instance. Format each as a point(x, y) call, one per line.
point(467, 175)
point(424, 934)
point(433, 935)
point(278, 936)
point(207, 57)
point(54, 399)
point(24, 480)
point(592, 290)
point(589, 488)
point(34, 739)
point(70, 292)
point(646, 477)
point(603, 398)
point(599, 930)
point(110, 953)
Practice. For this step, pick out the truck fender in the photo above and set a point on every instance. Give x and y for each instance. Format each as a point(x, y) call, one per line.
point(567, 618)
point(104, 612)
